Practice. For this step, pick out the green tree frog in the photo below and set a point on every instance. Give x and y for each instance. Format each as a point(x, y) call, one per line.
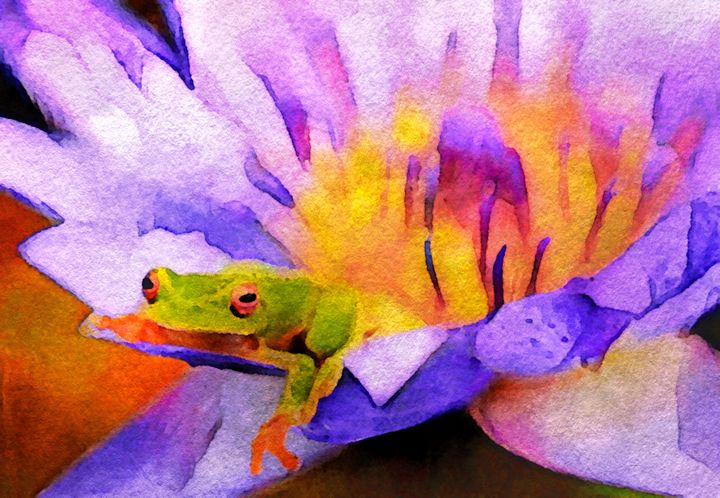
point(266, 314)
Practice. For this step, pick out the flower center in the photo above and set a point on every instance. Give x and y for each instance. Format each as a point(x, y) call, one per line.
point(466, 203)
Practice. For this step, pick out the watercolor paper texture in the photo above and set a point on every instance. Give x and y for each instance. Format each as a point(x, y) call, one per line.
point(349, 218)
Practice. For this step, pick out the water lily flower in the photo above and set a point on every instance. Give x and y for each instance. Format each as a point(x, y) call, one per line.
point(535, 181)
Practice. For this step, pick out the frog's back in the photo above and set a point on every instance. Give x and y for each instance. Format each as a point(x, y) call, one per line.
point(298, 293)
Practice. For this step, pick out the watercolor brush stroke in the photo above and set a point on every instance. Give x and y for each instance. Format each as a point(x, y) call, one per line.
point(528, 190)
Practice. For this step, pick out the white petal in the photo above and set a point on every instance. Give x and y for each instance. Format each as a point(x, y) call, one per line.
point(229, 86)
point(39, 169)
point(53, 72)
point(103, 265)
point(406, 353)
point(618, 425)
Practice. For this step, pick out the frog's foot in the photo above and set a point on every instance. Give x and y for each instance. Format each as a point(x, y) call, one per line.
point(271, 438)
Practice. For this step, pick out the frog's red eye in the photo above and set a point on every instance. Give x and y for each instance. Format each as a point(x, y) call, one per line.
point(151, 286)
point(244, 300)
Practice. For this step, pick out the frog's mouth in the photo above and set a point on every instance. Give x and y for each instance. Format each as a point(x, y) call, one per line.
point(218, 349)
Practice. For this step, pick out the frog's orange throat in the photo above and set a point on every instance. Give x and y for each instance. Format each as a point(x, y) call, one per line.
point(134, 329)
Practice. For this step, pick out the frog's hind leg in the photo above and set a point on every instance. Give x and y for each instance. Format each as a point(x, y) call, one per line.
point(330, 336)
point(326, 379)
point(305, 386)
point(307, 381)
point(298, 384)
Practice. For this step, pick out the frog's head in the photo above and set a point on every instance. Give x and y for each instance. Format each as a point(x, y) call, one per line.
point(226, 302)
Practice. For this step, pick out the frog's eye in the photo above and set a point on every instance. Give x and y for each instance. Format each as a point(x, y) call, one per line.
point(151, 286)
point(244, 300)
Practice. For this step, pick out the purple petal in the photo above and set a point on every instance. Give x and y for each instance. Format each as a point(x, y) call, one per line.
point(647, 271)
point(294, 116)
point(448, 380)
point(542, 332)
point(266, 182)
point(661, 282)
point(682, 311)
point(672, 255)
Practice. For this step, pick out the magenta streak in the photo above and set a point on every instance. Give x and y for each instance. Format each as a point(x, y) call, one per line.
point(324, 54)
point(539, 253)
point(431, 189)
point(412, 179)
point(592, 236)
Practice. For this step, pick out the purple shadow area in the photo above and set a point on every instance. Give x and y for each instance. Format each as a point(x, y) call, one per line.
point(266, 182)
point(194, 441)
point(698, 398)
point(161, 447)
point(231, 227)
point(449, 380)
point(703, 237)
point(601, 327)
point(681, 312)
